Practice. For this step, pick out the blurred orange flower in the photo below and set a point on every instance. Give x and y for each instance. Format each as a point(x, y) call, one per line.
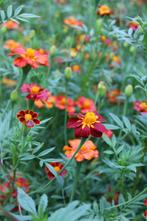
point(11, 25)
point(71, 21)
point(62, 102)
point(104, 10)
point(113, 96)
point(87, 152)
point(9, 82)
point(85, 104)
point(12, 45)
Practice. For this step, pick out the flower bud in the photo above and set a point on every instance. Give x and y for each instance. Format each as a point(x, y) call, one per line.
point(128, 90)
point(68, 72)
point(101, 89)
point(99, 25)
point(53, 49)
point(14, 95)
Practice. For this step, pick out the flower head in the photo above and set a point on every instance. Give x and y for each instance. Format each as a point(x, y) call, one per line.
point(85, 104)
point(87, 124)
point(28, 118)
point(140, 106)
point(71, 21)
point(62, 102)
point(57, 167)
point(133, 25)
point(35, 92)
point(104, 10)
point(113, 96)
point(11, 25)
point(88, 150)
point(30, 57)
point(12, 45)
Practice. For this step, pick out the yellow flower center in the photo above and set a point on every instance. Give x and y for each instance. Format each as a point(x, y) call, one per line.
point(30, 53)
point(143, 105)
point(57, 169)
point(35, 89)
point(89, 119)
point(28, 117)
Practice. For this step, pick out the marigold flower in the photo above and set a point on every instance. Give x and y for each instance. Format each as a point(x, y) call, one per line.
point(87, 124)
point(62, 102)
point(30, 57)
point(76, 68)
point(35, 92)
point(113, 96)
point(104, 10)
point(28, 118)
point(12, 45)
point(133, 25)
point(145, 202)
point(145, 213)
point(9, 82)
point(85, 104)
point(140, 106)
point(11, 25)
point(88, 150)
point(71, 21)
point(57, 167)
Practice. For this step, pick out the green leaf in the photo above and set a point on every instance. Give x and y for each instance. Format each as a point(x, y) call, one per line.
point(43, 203)
point(117, 120)
point(45, 152)
point(9, 11)
point(26, 202)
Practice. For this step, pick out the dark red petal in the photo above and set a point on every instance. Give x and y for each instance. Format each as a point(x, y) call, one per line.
point(79, 132)
point(36, 121)
point(35, 115)
point(73, 122)
point(95, 133)
point(21, 119)
point(100, 127)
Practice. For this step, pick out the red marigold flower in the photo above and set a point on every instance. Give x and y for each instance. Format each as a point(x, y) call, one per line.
point(28, 118)
point(87, 124)
point(113, 96)
point(133, 25)
point(57, 167)
point(11, 25)
point(85, 104)
point(88, 150)
point(145, 213)
point(71, 21)
point(104, 10)
point(30, 57)
point(35, 92)
point(62, 102)
point(140, 106)
point(145, 202)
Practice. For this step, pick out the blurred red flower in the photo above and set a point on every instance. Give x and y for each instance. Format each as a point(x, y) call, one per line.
point(11, 25)
point(140, 106)
point(85, 104)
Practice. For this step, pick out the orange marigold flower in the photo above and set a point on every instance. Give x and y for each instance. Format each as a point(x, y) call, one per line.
point(113, 96)
point(76, 68)
point(11, 25)
point(28, 118)
point(87, 124)
point(71, 21)
point(57, 167)
point(30, 57)
point(104, 10)
point(8, 82)
point(85, 104)
point(62, 102)
point(140, 106)
point(88, 150)
point(12, 45)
